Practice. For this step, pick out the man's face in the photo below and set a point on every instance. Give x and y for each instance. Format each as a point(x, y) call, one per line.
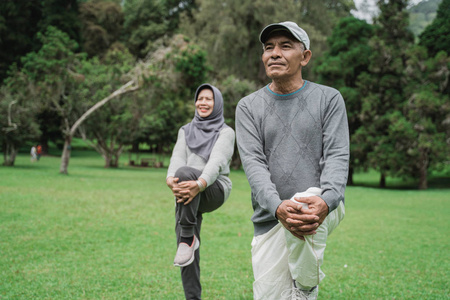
point(283, 56)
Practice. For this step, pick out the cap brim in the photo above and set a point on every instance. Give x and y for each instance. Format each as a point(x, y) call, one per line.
point(269, 29)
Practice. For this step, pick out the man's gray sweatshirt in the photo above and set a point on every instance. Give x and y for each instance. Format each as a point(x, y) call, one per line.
point(288, 143)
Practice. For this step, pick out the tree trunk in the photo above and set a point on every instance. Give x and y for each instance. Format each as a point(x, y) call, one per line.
point(108, 160)
point(10, 150)
point(111, 157)
point(116, 156)
point(66, 154)
point(382, 180)
point(423, 167)
point(9, 155)
point(115, 161)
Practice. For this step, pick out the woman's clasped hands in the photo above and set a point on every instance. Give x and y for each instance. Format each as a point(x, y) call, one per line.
point(184, 191)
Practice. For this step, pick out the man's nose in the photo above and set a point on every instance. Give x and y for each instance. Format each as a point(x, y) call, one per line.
point(276, 52)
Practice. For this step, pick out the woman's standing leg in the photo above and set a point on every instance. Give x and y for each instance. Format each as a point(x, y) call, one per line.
point(188, 223)
point(190, 275)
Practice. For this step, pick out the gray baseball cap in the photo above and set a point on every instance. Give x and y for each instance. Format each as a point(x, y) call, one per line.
point(289, 26)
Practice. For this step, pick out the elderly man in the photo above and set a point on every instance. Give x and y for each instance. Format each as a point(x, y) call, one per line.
point(292, 135)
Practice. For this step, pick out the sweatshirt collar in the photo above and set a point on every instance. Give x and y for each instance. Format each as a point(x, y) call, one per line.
point(286, 95)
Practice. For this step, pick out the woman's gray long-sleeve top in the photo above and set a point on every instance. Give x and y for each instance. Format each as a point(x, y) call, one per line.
point(218, 165)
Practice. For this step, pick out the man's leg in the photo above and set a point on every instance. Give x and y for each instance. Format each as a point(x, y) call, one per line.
point(306, 257)
point(270, 265)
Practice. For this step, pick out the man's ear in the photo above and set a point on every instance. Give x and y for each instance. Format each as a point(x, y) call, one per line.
point(306, 57)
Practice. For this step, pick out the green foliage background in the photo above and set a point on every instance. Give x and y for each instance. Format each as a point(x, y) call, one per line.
point(73, 54)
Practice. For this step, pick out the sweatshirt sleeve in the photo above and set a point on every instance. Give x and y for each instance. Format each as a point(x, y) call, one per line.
point(254, 161)
point(336, 152)
point(179, 155)
point(220, 156)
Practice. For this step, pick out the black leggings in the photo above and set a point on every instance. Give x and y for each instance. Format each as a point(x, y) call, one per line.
point(188, 222)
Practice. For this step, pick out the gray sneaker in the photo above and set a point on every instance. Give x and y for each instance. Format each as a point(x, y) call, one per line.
point(185, 253)
point(295, 293)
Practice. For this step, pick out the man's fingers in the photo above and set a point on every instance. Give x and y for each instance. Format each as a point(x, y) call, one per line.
point(305, 228)
point(300, 219)
point(297, 235)
point(302, 233)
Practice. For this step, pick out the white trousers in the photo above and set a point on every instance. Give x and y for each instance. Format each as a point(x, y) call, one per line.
point(278, 257)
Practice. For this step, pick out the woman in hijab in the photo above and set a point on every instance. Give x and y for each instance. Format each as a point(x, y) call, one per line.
point(198, 177)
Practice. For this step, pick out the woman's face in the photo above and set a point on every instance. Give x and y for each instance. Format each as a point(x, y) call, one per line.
point(205, 103)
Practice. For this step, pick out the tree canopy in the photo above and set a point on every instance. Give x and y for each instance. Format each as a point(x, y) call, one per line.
point(229, 31)
point(436, 37)
point(347, 58)
point(122, 74)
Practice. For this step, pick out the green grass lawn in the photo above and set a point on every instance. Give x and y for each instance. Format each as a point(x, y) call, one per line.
point(109, 234)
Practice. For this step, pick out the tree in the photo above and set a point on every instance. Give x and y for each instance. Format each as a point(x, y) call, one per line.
point(340, 66)
point(145, 22)
point(21, 20)
point(62, 15)
point(381, 88)
point(422, 131)
point(229, 30)
point(48, 73)
point(105, 130)
point(233, 89)
point(18, 124)
point(18, 26)
point(130, 86)
point(52, 74)
point(176, 8)
point(178, 67)
point(102, 23)
point(436, 37)
point(165, 76)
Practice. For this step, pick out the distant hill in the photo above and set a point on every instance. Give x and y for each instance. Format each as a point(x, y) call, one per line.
point(422, 14)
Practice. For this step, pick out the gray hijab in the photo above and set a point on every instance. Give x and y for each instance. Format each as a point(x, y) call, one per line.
point(202, 133)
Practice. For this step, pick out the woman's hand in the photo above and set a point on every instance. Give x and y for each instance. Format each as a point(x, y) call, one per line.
point(172, 183)
point(188, 190)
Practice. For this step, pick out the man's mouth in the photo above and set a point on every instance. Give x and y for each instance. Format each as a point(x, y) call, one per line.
point(275, 64)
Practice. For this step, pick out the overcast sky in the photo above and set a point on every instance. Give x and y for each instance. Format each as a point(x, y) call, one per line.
point(367, 9)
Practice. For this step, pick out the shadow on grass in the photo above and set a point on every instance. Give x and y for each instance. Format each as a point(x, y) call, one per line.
point(30, 166)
